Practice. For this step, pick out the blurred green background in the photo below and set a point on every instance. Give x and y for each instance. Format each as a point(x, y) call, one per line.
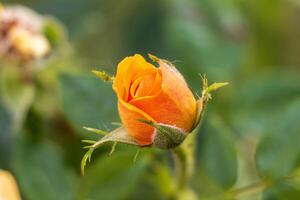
point(250, 134)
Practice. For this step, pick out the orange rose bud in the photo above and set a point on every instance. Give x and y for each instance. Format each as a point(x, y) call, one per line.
point(154, 101)
point(155, 105)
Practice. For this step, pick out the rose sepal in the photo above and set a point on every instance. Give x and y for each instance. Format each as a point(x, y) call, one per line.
point(118, 135)
point(205, 97)
point(103, 76)
point(166, 136)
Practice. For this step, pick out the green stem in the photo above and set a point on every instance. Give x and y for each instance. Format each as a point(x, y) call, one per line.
point(248, 190)
point(184, 159)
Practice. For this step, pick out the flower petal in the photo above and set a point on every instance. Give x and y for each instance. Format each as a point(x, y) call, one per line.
point(174, 104)
point(130, 69)
point(177, 89)
point(130, 116)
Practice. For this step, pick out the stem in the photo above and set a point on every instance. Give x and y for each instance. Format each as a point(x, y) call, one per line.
point(249, 189)
point(255, 188)
point(248, 180)
point(184, 160)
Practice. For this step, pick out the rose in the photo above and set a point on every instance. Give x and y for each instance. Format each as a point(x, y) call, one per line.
point(158, 95)
point(155, 105)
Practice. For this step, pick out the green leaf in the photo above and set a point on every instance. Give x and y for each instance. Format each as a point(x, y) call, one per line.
point(278, 154)
point(5, 137)
point(218, 56)
point(268, 90)
point(218, 155)
point(114, 177)
point(89, 102)
point(40, 172)
point(259, 102)
point(282, 190)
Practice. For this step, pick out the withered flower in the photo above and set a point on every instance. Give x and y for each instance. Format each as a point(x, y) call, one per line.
point(21, 34)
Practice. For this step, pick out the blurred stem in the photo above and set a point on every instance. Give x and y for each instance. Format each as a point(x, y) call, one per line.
point(184, 159)
point(258, 187)
point(247, 172)
point(249, 190)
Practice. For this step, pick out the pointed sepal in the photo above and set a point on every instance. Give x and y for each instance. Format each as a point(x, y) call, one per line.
point(205, 97)
point(208, 89)
point(200, 108)
point(166, 136)
point(94, 130)
point(153, 57)
point(118, 135)
point(103, 76)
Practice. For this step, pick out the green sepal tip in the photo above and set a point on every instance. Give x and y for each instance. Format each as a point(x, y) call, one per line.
point(94, 130)
point(103, 76)
point(118, 135)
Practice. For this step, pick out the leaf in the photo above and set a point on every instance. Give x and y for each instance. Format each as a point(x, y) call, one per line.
point(87, 101)
point(278, 153)
point(268, 90)
point(113, 178)
point(282, 190)
point(218, 56)
point(5, 137)
point(260, 101)
point(218, 155)
point(40, 172)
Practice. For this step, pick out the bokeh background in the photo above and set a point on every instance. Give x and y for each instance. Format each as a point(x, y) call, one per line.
point(250, 135)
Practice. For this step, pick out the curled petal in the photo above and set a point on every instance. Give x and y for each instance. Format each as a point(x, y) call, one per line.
point(174, 104)
point(130, 69)
point(130, 115)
